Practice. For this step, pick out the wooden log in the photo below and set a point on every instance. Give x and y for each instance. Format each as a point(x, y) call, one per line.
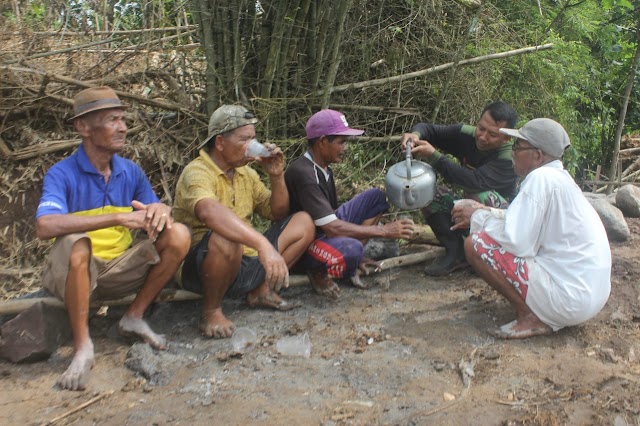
point(11, 307)
point(386, 264)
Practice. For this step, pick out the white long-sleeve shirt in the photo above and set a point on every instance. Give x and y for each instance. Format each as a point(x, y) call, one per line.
point(551, 223)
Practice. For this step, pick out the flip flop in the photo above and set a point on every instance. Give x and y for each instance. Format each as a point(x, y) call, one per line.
point(269, 302)
point(507, 332)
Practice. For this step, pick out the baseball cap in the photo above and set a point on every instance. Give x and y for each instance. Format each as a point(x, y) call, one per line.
point(226, 118)
point(328, 123)
point(94, 99)
point(543, 133)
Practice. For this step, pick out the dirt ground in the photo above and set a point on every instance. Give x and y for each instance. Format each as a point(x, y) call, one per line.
point(411, 350)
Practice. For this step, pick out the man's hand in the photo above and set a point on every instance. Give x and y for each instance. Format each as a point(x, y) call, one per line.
point(274, 164)
point(409, 137)
point(402, 228)
point(153, 218)
point(462, 211)
point(275, 268)
point(419, 148)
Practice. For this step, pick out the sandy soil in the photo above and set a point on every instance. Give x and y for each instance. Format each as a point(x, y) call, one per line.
point(411, 350)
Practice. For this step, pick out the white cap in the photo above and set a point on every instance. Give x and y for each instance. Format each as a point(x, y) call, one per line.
point(543, 133)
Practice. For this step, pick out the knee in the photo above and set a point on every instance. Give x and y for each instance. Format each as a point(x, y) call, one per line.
point(377, 194)
point(225, 249)
point(80, 255)
point(180, 238)
point(469, 251)
point(305, 227)
point(353, 249)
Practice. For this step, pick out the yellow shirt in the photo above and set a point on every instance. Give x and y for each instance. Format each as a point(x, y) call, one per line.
point(202, 179)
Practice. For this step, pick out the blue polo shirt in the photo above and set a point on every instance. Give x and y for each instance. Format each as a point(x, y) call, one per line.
point(74, 186)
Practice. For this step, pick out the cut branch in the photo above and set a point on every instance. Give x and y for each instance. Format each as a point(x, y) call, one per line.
point(436, 69)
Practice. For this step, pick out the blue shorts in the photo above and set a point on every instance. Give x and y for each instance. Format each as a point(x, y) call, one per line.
point(250, 275)
point(340, 256)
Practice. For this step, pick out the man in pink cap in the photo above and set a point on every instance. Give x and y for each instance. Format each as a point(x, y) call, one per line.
point(338, 249)
point(90, 203)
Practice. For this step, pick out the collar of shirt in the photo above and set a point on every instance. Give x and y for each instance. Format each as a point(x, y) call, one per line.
point(325, 172)
point(87, 167)
point(214, 167)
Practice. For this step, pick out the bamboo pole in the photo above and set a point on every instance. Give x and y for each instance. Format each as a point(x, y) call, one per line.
point(120, 32)
point(11, 307)
point(436, 69)
point(66, 50)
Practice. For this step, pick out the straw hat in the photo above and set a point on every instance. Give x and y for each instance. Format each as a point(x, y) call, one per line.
point(94, 99)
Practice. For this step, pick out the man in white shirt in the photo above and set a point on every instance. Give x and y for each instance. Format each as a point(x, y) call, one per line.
point(548, 253)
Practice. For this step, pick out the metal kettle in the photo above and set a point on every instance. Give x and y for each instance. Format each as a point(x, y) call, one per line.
point(410, 184)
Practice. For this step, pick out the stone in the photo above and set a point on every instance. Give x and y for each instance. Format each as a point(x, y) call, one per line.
point(628, 200)
point(381, 248)
point(612, 219)
point(156, 366)
point(35, 333)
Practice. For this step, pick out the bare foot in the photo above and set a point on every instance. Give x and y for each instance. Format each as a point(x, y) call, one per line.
point(523, 328)
point(270, 299)
point(215, 324)
point(77, 375)
point(323, 285)
point(137, 327)
point(357, 282)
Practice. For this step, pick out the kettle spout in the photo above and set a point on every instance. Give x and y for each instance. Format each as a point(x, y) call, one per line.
point(408, 196)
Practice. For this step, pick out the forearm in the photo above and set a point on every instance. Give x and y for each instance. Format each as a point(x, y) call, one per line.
point(341, 228)
point(56, 225)
point(279, 201)
point(224, 222)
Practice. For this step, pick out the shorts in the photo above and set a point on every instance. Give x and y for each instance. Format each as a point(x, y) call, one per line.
point(110, 279)
point(514, 268)
point(250, 275)
point(533, 283)
point(341, 256)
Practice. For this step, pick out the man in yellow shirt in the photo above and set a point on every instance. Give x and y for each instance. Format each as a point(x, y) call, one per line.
point(216, 195)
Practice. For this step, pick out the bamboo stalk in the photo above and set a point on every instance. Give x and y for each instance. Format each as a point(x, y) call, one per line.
point(432, 70)
point(120, 32)
point(66, 50)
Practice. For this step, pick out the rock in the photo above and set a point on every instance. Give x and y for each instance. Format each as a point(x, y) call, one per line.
point(35, 333)
point(628, 200)
point(155, 366)
point(612, 219)
point(381, 248)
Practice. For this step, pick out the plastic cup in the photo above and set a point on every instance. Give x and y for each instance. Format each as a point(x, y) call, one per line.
point(463, 202)
point(295, 346)
point(243, 339)
point(256, 149)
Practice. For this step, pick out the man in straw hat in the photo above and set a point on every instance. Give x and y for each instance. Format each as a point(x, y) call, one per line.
point(548, 252)
point(216, 195)
point(90, 203)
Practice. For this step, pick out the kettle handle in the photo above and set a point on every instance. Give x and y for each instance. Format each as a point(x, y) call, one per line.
point(408, 160)
point(410, 199)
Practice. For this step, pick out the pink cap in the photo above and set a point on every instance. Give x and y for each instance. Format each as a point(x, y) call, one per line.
point(328, 123)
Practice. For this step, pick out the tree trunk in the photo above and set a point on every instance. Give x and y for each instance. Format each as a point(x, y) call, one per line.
point(623, 113)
